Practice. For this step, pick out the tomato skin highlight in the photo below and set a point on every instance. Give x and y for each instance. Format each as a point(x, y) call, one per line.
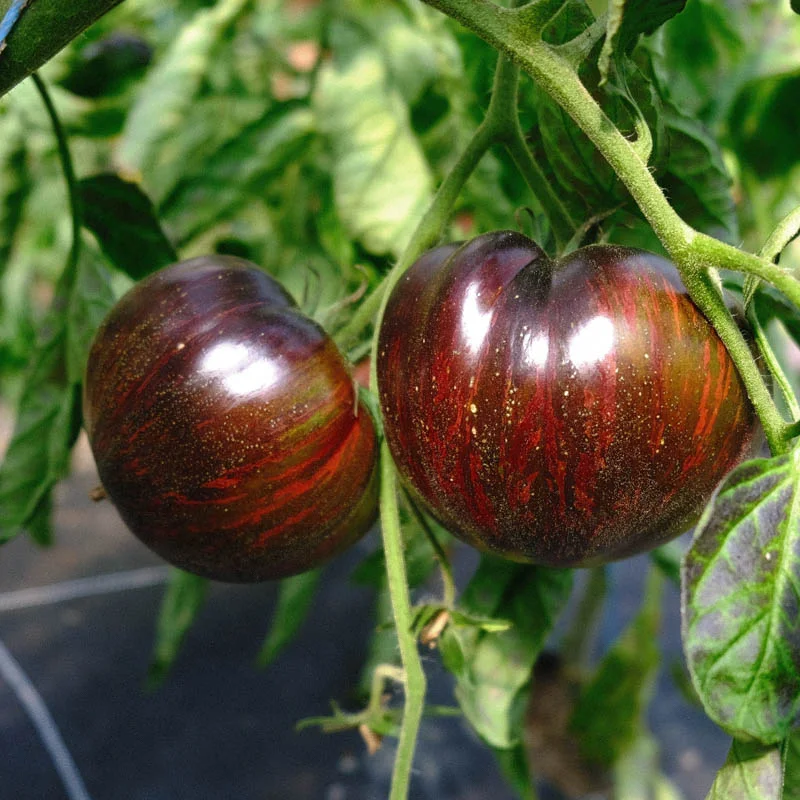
point(225, 425)
point(565, 414)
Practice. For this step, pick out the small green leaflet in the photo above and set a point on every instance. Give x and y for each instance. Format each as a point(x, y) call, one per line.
point(183, 599)
point(741, 616)
point(295, 598)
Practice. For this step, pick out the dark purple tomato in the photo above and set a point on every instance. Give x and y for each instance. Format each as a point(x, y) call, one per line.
point(562, 413)
point(226, 426)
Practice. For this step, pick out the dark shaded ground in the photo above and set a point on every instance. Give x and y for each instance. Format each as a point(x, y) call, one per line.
point(220, 728)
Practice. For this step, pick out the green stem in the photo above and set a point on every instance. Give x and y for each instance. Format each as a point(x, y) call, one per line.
point(66, 165)
point(401, 608)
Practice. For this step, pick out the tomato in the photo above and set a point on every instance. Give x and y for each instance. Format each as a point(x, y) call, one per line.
point(225, 424)
point(562, 413)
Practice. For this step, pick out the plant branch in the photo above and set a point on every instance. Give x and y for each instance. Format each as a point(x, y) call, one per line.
point(401, 608)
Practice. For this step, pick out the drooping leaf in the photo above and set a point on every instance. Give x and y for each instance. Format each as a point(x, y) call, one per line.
point(171, 87)
point(493, 669)
point(183, 599)
point(629, 19)
point(741, 584)
point(40, 31)
point(91, 298)
point(122, 218)
point(246, 162)
point(295, 599)
point(382, 183)
point(751, 772)
point(47, 425)
point(610, 711)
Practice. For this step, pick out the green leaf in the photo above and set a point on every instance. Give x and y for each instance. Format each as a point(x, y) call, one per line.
point(629, 19)
point(610, 711)
point(250, 160)
point(493, 670)
point(47, 425)
point(791, 771)
point(91, 298)
point(183, 598)
point(382, 183)
point(295, 598)
point(795, 6)
point(514, 765)
point(741, 583)
point(122, 218)
point(167, 94)
point(696, 179)
point(762, 123)
point(637, 774)
point(751, 772)
point(41, 31)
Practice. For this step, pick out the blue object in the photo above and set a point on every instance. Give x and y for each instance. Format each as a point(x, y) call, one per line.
point(10, 19)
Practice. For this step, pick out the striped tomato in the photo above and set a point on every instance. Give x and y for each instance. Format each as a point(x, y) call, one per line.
point(226, 426)
point(563, 413)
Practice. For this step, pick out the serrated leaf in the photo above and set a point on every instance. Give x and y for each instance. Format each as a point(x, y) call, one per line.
point(751, 772)
point(47, 425)
point(249, 160)
point(629, 19)
point(295, 597)
point(382, 183)
point(166, 96)
point(741, 584)
point(183, 598)
point(610, 710)
point(493, 670)
point(123, 220)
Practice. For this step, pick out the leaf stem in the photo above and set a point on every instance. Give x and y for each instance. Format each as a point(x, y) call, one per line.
point(415, 685)
point(578, 638)
point(67, 167)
